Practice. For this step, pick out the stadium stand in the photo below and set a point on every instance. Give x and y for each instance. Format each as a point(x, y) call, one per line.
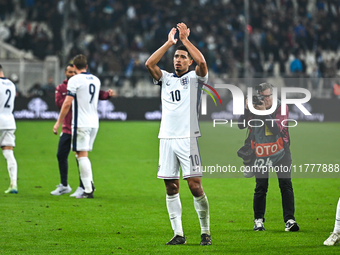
point(118, 36)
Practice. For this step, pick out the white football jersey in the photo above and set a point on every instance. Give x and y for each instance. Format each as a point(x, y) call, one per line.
point(181, 97)
point(84, 87)
point(7, 96)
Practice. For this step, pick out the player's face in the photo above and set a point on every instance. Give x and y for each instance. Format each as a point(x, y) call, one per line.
point(182, 61)
point(268, 98)
point(69, 72)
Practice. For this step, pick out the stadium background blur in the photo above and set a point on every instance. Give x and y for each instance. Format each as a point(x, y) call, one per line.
point(287, 38)
point(118, 36)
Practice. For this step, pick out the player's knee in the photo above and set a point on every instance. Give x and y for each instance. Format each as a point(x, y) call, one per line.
point(196, 188)
point(172, 188)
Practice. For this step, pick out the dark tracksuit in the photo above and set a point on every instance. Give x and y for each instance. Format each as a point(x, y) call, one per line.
point(64, 145)
point(284, 178)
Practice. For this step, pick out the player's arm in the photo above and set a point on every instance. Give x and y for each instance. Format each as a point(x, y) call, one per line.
point(105, 95)
point(151, 63)
point(59, 98)
point(201, 68)
point(64, 111)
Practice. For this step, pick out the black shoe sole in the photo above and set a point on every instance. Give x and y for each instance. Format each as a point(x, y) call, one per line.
point(294, 228)
point(174, 242)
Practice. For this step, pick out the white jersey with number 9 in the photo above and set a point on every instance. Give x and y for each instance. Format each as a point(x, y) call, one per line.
point(84, 87)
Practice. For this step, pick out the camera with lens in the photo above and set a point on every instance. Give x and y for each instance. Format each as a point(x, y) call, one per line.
point(259, 88)
point(257, 99)
point(246, 153)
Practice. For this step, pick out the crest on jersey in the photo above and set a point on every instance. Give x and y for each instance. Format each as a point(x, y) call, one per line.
point(185, 82)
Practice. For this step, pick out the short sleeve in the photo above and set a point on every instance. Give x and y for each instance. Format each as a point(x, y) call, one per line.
point(202, 79)
point(71, 87)
point(165, 74)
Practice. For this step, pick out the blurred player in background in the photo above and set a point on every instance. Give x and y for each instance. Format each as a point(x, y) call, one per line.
point(7, 129)
point(64, 145)
point(82, 95)
point(334, 238)
point(178, 145)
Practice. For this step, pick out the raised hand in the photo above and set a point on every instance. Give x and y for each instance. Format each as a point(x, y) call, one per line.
point(171, 36)
point(184, 31)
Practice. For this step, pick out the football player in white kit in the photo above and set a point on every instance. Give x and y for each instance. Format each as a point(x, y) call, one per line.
point(82, 93)
point(180, 93)
point(7, 129)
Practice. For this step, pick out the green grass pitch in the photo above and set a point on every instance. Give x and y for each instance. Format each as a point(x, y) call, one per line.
point(128, 214)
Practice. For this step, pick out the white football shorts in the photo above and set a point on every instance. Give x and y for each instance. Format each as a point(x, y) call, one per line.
point(83, 139)
point(7, 137)
point(179, 153)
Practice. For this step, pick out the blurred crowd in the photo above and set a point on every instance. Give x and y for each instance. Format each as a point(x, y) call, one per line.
point(118, 36)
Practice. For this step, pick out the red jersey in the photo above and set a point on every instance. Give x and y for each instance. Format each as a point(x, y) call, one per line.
point(60, 95)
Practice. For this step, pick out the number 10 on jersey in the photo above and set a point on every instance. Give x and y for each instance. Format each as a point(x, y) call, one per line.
point(175, 95)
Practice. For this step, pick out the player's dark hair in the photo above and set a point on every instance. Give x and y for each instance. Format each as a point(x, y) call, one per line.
point(0, 67)
point(80, 61)
point(71, 65)
point(182, 47)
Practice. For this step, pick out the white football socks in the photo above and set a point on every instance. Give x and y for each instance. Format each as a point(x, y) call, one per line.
point(85, 171)
point(202, 208)
point(173, 203)
point(337, 219)
point(11, 166)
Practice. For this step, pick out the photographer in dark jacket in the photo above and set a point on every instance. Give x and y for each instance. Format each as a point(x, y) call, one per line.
point(270, 141)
